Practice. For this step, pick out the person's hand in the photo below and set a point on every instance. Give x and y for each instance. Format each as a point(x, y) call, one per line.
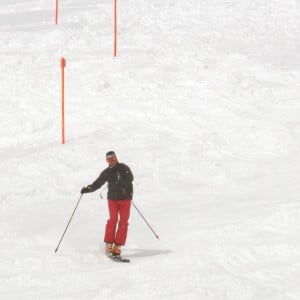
point(86, 189)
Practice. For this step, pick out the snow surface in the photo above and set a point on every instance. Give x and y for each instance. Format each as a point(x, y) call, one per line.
point(202, 103)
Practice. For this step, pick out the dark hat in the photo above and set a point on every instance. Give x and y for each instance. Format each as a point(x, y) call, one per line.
point(110, 153)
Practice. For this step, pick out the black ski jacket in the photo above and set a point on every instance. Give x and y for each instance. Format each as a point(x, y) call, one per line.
point(119, 179)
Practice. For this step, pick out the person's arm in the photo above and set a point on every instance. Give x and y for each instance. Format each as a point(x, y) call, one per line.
point(129, 174)
point(126, 176)
point(96, 184)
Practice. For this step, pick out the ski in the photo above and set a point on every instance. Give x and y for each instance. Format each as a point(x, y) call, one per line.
point(118, 258)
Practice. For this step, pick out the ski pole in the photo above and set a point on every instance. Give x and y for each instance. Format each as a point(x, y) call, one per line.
point(68, 223)
point(145, 220)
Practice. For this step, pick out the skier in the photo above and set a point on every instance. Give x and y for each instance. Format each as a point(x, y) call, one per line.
point(119, 178)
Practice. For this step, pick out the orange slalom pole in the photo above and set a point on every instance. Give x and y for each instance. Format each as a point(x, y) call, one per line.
point(115, 28)
point(56, 13)
point(63, 65)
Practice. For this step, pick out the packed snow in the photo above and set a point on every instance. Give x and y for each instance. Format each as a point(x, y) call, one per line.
point(202, 102)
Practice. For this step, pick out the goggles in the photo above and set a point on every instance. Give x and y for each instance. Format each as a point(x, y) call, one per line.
point(111, 158)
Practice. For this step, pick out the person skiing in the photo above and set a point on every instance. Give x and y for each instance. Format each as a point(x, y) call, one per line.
point(120, 191)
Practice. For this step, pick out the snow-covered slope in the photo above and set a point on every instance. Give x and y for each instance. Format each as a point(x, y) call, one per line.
point(202, 103)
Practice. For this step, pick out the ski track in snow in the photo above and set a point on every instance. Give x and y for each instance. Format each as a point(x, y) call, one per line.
point(201, 102)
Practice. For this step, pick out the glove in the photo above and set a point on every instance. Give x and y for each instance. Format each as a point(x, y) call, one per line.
point(86, 189)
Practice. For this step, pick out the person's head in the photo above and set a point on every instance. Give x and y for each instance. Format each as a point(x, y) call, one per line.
point(111, 158)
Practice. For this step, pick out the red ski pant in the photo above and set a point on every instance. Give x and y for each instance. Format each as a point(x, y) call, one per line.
point(119, 210)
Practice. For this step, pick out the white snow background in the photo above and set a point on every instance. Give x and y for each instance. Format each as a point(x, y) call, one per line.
point(202, 103)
